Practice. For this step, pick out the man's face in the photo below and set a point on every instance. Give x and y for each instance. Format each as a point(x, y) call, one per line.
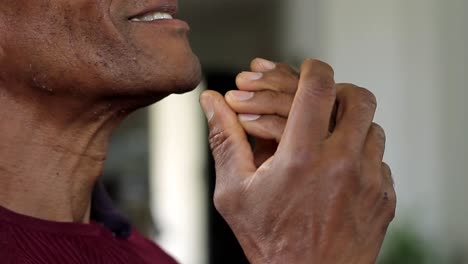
point(92, 48)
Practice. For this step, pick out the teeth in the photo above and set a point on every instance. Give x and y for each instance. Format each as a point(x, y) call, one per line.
point(152, 16)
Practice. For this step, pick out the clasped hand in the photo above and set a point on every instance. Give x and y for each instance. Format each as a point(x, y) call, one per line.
point(314, 188)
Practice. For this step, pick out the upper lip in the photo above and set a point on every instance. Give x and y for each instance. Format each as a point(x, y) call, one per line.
point(166, 6)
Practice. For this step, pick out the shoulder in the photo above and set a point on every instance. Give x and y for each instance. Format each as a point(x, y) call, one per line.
point(7, 243)
point(149, 250)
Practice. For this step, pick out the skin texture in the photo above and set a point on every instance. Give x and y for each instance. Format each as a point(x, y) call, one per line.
point(70, 71)
point(316, 190)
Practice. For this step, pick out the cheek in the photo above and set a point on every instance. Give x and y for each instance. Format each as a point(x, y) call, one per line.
point(73, 47)
point(63, 44)
point(88, 33)
point(92, 43)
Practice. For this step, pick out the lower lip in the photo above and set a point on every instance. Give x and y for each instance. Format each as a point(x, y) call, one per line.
point(166, 22)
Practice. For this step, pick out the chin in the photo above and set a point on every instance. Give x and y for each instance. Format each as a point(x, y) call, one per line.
point(183, 76)
point(170, 66)
point(188, 84)
point(144, 87)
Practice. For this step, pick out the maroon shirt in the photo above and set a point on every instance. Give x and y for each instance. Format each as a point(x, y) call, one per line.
point(27, 240)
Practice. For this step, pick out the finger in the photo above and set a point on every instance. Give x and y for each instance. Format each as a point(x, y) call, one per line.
point(264, 127)
point(309, 119)
point(372, 156)
point(387, 175)
point(280, 79)
point(274, 80)
point(262, 65)
point(374, 147)
point(262, 102)
point(228, 141)
point(356, 109)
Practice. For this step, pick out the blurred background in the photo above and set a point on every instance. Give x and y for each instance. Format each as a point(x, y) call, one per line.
point(411, 54)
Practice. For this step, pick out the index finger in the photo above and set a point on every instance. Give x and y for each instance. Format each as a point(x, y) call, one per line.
point(356, 108)
point(309, 119)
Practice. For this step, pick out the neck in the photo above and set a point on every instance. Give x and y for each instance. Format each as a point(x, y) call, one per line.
point(52, 151)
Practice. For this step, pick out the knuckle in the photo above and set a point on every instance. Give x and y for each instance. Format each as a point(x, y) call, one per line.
point(227, 198)
point(277, 102)
point(319, 86)
point(220, 200)
point(391, 215)
point(363, 110)
point(272, 81)
point(387, 171)
point(367, 98)
point(386, 168)
point(379, 132)
point(314, 63)
point(217, 138)
point(361, 97)
point(295, 164)
point(390, 210)
point(219, 141)
point(373, 188)
point(273, 96)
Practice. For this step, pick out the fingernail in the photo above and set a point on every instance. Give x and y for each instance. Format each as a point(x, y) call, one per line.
point(248, 117)
point(207, 105)
point(251, 76)
point(241, 95)
point(266, 64)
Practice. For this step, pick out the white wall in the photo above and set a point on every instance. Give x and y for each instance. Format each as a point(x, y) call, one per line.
point(412, 55)
point(178, 180)
point(454, 86)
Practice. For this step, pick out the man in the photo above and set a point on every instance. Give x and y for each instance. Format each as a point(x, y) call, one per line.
point(72, 70)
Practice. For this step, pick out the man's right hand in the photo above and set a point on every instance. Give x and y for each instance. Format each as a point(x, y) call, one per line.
point(321, 198)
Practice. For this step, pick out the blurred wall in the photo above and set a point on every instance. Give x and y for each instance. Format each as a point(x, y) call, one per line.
point(412, 55)
point(228, 34)
point(454, 84)
point(178, 169)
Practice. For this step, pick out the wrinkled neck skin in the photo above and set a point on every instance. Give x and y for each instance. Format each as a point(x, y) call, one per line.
point(52, 151)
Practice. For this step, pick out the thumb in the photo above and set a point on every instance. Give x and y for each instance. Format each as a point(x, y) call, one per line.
point(231, 150)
